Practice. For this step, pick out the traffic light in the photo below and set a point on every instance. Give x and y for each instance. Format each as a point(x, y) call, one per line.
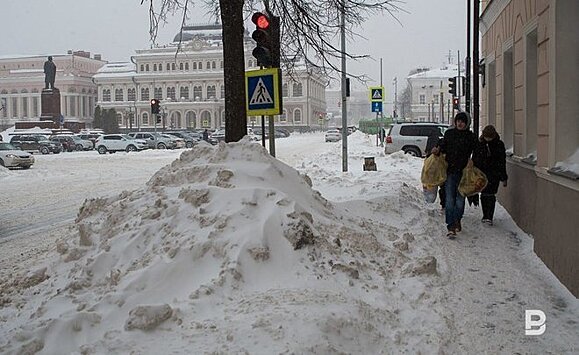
point(158, 118)
point(452, 86)
point(456, 104)
point(262, 36)
point(155, 106)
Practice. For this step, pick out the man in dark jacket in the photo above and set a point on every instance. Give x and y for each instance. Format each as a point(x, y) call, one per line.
point(490, 157)
point(458, 144)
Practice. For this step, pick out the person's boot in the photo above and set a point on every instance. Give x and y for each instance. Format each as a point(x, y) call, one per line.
point(488, 207)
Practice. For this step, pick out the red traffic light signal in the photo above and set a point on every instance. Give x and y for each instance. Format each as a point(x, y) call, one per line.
point(261, 35)
point(456, 103)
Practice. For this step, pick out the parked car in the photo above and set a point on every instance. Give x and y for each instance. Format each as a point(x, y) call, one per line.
point(189, 140)
point(411, 137)
point(333, 135)
point(119, 142)
point(219, 135)
point(154, 140)
point(82, 144)
point(12, 157)
point(91, 136)
point(69, 144)
point(35, 143)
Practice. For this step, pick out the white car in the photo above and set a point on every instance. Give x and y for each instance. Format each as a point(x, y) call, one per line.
point(412, 137)
point(333, 135)
point(11, 157)
point(119, 142)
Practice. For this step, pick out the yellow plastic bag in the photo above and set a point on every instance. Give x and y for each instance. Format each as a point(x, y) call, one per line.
point(472, 181)
point(433, 171)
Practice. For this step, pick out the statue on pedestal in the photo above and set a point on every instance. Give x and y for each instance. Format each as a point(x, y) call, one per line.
point(49, 73)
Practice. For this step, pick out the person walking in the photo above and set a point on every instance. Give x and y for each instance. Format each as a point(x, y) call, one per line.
point(458, 144)
point(433, 141)
point(206, 135)
point(490, 157)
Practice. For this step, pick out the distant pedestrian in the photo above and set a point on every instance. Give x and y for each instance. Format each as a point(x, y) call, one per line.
point(490, 157)
point(206, 135)
point(458, 144)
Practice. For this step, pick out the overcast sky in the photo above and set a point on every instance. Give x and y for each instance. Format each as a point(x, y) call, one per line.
point(115, 28)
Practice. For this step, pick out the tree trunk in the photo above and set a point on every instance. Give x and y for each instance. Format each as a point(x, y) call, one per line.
point(233, 69)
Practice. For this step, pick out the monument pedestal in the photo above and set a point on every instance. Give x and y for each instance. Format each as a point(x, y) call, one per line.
point(50, 105)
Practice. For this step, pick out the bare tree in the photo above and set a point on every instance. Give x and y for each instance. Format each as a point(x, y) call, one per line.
point(309, 33)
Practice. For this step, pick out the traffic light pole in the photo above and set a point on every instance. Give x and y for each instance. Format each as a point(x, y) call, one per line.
point(344, 102)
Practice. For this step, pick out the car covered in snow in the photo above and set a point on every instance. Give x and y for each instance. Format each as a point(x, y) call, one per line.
point(12, 157)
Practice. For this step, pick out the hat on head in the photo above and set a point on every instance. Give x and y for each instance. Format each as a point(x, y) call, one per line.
point(462, 116)
point(489, 132)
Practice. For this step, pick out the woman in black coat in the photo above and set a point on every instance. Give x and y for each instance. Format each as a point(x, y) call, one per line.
point(489, 156)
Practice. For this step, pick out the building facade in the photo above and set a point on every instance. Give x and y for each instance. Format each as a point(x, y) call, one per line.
point(189, 82)
point(430, 99)
point(22, 81)
point(530, 50)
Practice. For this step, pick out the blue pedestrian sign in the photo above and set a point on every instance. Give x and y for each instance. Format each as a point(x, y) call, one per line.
point(262, 92)
point(376, 94)
point(376, 106)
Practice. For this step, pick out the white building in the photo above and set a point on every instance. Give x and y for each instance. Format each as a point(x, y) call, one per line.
point(190, 85)
point(431, 100)
point(22, 81)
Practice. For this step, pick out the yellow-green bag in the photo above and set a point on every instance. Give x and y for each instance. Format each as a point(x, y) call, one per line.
point(472, 181)
point(433, 171)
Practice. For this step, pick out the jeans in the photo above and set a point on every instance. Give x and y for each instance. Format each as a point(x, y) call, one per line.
point(454, 208)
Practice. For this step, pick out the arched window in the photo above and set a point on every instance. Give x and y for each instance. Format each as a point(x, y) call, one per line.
point(184, 92)
point(118, 94)
point(206, 119)
point(284, 90)
point(197, 93)
point(283, 116)
point(145, 119)
point(146, 67)
point(187, 66)
point(194, 65)
point(211, 92)
point(181, 66)
point(222, 91)
point(131, 95)
point(297, 90)
point(159, 93)
point(171, 93)
point(142, 67)
point(213, 65)
point(160, 67)
point(191, 119)
point(297, 115)
point(173, 66)
point(155, 67)
point(119, 119)
point(106, 95)
point(168, 66)
point(200, 65)
point(144, 94)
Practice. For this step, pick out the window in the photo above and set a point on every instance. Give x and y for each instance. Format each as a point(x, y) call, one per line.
point(508, 101)
point(118, 94)
point(131, 96)
point(184, 93)
point(120, 122)
point(173, 66)
point(158, 93)
point(146, 67)
point(531, 90)
point(106, 95)
point(211, 92)
point(155, 67)
point(197, 93)
point(190, 119)
point(410, 131)
point(435, 98)
point(208, 65)
point(422, 99)
point(145, 119)
point(200, 65)
point(144, 94)
point(171, 93)
point(25, 106)
point(297, 115)
point(168, 66)
point(297, 90)
point(221, 65)
point(195, 65)
point(213, 65)
point(222, 91)
point(160, 67)
point(180, 66)
point(142, 67)
point(187, 66)
point(284, 90)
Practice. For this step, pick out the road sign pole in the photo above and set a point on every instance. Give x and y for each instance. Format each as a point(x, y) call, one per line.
point(271, 137)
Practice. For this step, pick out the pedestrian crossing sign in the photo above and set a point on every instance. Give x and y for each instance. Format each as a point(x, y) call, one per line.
point(262, 92)
point(377, 94)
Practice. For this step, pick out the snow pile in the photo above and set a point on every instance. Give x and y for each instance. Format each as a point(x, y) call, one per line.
point(229, 250)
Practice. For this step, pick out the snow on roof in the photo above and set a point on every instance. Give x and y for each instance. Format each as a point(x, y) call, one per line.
point(445, 72)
